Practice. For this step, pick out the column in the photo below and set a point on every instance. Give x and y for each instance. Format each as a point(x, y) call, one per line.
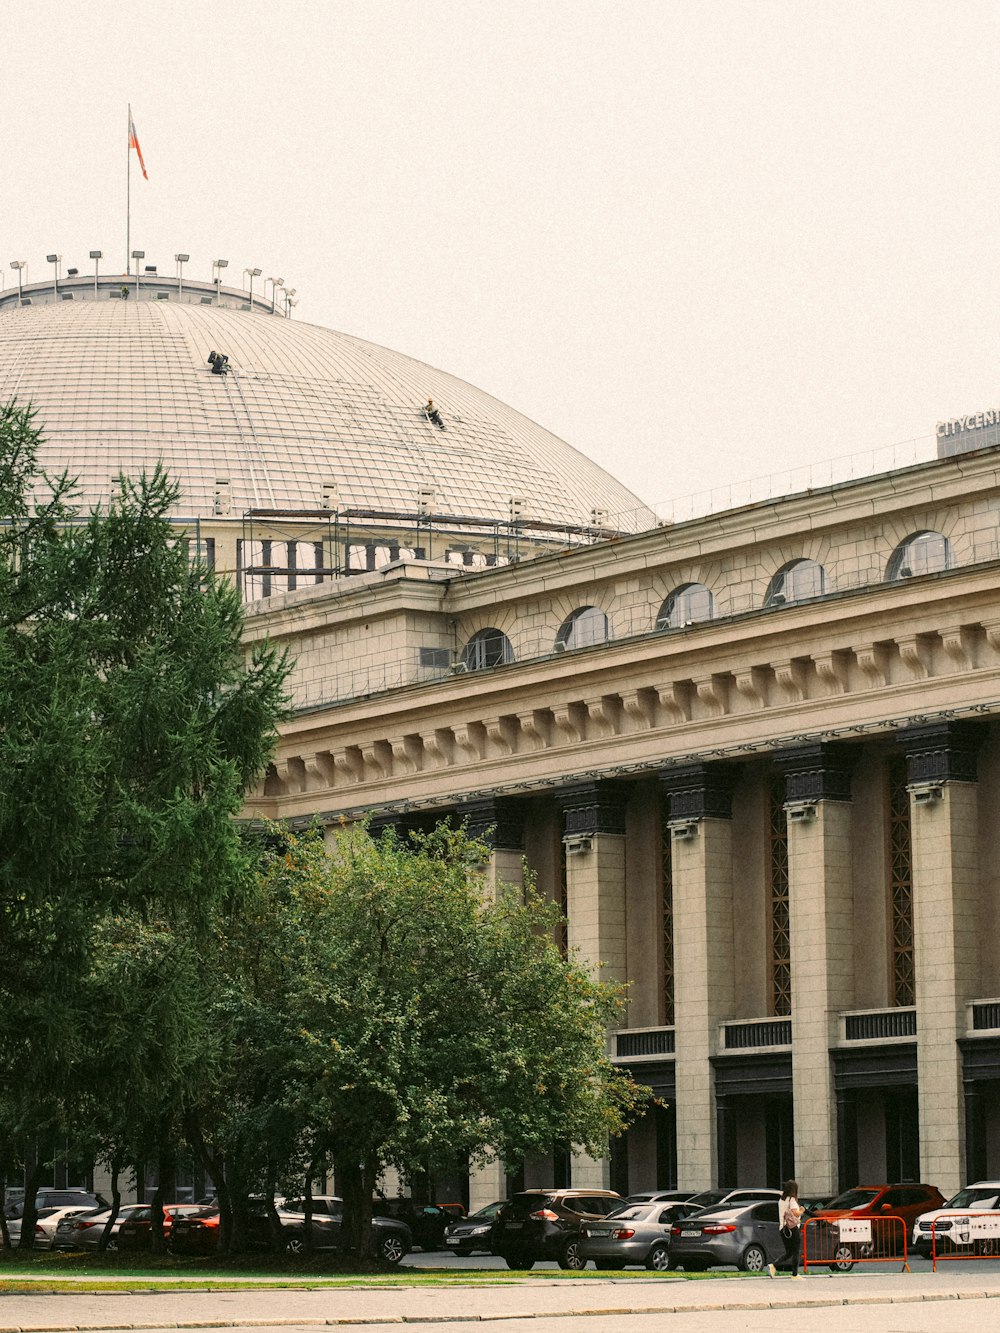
point(702, 853)
point(499, 823)
point(941, 777)
point(821, 916)
point(594, 844)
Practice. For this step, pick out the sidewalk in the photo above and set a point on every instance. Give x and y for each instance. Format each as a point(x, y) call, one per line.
point(54, 1312)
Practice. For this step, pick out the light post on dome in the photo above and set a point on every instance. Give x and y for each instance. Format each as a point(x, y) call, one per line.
point(55, 261)
point(251, 273)
point(137, 255)
point(181, 261)
point(275, 284)
point(217, 266)
point(18, 265)
point(290, 305)
point(96, 256)
point(289, 293)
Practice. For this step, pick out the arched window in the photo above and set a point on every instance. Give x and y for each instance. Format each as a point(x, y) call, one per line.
point(923, 553)
point(685, 605)
point(796, 582)
point(585, 627)
point(487, 648)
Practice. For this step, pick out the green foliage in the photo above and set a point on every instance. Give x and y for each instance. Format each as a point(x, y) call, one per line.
point(131, 723)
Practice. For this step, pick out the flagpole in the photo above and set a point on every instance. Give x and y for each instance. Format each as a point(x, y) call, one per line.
point(128, 192)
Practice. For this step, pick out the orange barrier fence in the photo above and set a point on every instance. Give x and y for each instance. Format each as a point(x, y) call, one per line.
point(840, 1243)
point(965, 1235)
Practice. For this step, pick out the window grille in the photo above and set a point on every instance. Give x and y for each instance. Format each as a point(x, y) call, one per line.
point(900, 887)
point(781, 941)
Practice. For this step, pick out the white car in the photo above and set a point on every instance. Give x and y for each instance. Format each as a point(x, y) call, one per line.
point(982, 1197)
point(45, 1226)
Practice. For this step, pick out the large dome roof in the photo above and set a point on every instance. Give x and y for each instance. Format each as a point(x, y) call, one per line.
point(119, 384)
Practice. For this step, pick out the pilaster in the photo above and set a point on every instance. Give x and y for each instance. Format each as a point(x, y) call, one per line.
point(700, 827)
point(594, 841)
point(821, 915)
point(941, 769)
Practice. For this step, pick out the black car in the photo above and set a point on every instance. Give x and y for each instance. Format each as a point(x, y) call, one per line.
point(545, 1224)
point(427, 1222)
point(475, 1232)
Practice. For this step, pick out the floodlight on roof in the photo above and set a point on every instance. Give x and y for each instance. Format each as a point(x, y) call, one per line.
point(138, 254)
point(18, 265)
point(251, 273)
point(53, 259)
point(97, 254)
point(221, 263)
point(182, 259)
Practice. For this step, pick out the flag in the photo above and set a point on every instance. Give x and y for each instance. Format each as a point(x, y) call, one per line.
point(133, 142)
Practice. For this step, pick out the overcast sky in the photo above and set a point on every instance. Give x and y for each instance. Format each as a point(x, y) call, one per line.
point(702, 242)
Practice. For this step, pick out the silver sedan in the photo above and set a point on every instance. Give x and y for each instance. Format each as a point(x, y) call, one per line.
point(636, 1234)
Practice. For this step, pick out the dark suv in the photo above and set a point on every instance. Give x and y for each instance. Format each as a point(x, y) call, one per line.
point(545, 1224)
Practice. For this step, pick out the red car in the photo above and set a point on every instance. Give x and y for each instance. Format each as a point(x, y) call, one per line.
point(136, 1232)
point(867, 1203)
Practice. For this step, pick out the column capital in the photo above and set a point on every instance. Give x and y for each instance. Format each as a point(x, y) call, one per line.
point(941, 751)
point(593, 807)
point(497, 821)
point(700, 791)
point(820, 771)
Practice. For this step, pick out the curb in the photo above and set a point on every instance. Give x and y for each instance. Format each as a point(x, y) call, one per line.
point(701, 1308)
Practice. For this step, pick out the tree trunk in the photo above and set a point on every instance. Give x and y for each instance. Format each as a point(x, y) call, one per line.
point(356, 1182)
point(30, 1215)
point(215, 1165)
point(116, 1203)
point(165, 1188)
point(4, 1233)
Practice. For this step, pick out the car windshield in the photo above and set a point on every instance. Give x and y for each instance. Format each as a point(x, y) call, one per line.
point(633, 1212)
point(487, 1214)
point(970, 1197)
point(707, 1197)
point(853, 1199)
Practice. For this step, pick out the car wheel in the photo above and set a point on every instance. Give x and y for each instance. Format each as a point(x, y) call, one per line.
point(391, 1249)
point(294, 1245)
point(843, 1259)
point(754, 1259)
point(570, 1256)
point(518, 1262)
point(610, 1265)
point(658, 1259)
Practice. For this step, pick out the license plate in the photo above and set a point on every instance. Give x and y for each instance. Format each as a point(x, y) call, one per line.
point(514, 1226)
point(690, 1233)
point(598, 1231)
point(451, 1240)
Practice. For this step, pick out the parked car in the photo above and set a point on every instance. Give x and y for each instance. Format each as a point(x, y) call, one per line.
point(48, 1221)
point(639, 1233)
point(743, 1235)
point(660, 1196)
point(83, 1231)
point(427, 1222)
point(906, 1201)
point(136, 1232)
point(725, 1198)
point(982, 1197)
point(475, 1232)
point(53, 1198)
point(197, 1232)
point(545, 1224)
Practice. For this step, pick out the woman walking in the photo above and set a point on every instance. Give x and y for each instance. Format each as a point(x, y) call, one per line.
point(790, 1220)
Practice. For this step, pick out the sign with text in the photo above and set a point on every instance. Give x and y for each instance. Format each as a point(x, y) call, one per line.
point(850, 1229)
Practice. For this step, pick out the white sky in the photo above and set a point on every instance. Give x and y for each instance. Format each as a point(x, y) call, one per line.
point(702, 241)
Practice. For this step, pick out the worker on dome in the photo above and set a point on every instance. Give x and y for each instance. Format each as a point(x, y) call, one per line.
point(433, 415)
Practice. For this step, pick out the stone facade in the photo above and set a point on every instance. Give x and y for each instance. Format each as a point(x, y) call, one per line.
point(777, 823)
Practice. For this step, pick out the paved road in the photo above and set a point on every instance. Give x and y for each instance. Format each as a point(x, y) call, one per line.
point(964, 1301)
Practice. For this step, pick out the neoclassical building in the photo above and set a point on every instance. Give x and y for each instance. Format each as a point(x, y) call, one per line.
point(754, 755)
